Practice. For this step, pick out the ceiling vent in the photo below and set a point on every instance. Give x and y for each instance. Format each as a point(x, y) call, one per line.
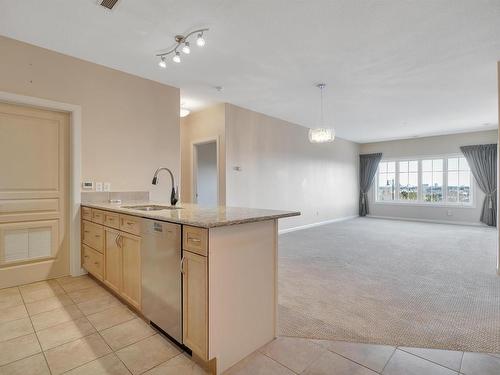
point(109, 3)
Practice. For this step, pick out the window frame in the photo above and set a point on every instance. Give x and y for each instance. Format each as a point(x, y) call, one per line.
point(420, 201)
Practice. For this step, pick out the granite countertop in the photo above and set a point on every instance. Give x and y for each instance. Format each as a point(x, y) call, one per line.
point(192, 214)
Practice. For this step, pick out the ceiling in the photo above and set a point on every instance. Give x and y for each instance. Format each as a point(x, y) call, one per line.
point(393, 68)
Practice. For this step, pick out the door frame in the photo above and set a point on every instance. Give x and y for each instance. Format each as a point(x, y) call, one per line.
point(75, 167)
point(194, 166)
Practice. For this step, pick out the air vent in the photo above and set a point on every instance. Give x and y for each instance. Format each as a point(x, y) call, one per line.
point(109, 3)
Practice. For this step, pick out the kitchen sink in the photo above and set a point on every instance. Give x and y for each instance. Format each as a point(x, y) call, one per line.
point(152, 207)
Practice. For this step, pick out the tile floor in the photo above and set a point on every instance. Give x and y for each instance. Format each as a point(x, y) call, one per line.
point(74, 326)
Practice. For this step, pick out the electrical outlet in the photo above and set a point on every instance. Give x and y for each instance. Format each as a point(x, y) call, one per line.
point(98, 186)
point(449, 213)
point(107, 186)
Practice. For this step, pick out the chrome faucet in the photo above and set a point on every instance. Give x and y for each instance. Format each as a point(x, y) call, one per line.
point(174, 195)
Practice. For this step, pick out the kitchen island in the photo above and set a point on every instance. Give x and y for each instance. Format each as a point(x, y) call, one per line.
point(228, 263)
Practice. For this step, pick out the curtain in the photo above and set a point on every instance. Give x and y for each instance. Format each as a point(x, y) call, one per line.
point(482, 160)
point(368, 164)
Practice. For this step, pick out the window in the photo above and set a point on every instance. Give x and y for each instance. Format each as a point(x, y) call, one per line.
point(459, 189)
point(408, 180)
point(386, 181)
point(432, 181)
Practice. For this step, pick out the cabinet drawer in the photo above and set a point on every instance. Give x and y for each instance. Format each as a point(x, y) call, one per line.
point(112, 220)
point(130, 224)
point(195, 239)
point(93, 235)
point(86, 213)
point(93, 262)
point(97, 216)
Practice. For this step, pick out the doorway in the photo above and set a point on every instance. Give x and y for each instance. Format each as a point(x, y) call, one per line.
point(205, 174)
point(34, 194)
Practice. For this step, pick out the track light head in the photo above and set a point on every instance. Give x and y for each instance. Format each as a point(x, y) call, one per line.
point(200, 42)
point(186, 48)
point(177, 57)
point(162, 63)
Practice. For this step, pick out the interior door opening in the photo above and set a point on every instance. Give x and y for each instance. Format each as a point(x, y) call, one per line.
point(205, 174)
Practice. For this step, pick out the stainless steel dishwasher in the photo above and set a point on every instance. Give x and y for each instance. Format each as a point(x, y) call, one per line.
point(161, 276)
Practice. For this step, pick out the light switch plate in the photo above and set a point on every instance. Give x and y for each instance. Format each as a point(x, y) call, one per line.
point(98, 186)
point(107, 186)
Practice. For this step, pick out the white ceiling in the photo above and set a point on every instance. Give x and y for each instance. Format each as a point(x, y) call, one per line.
point(393, 68)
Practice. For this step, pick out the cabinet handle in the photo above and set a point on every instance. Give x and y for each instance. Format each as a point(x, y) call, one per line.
point(86, 231)
point(97, 235)
point(116, 240)
point(96, 263)
point(192, 239)
point(130, 223)
point(182, 265)
point(85, 256)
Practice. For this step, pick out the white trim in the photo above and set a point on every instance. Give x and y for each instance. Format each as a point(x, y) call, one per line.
point(319, 223)
point(423, 204)
point(194, 166)
point(473, 224)
point(75, 112)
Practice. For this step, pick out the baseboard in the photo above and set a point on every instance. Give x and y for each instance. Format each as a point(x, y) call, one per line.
point(319, 223)
point(479, 224)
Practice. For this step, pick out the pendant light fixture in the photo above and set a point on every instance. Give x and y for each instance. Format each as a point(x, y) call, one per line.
point(322, 133)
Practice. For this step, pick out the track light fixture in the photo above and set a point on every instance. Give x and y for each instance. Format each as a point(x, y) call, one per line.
point(182, 44)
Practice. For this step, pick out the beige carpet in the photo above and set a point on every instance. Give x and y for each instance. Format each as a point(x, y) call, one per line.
point(392, 282)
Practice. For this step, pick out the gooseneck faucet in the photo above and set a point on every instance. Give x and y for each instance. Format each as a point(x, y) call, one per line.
point(174, 195)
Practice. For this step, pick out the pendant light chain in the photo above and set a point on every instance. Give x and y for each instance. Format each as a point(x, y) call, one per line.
point(321, 119)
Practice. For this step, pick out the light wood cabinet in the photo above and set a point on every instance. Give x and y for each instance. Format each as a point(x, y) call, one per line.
point(97, 216)
point(112, 220)
point(93, 235)
point(131, 268)
point(195, 239)
point(93, 262)
point(86, 213)
point(195, 303)
point(130, 224)
point(111, 253)
point(113, 260)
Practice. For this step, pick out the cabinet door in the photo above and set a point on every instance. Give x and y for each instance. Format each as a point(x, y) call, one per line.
point(131, 258)
point(195, 303)
point(112, 260)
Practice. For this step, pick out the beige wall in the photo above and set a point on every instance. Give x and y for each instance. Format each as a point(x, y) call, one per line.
point(130, 125)
point(281, 169)
point(430, 146)
point(199, 126)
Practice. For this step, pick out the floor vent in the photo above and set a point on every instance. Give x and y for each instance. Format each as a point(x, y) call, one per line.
point(109, 3)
